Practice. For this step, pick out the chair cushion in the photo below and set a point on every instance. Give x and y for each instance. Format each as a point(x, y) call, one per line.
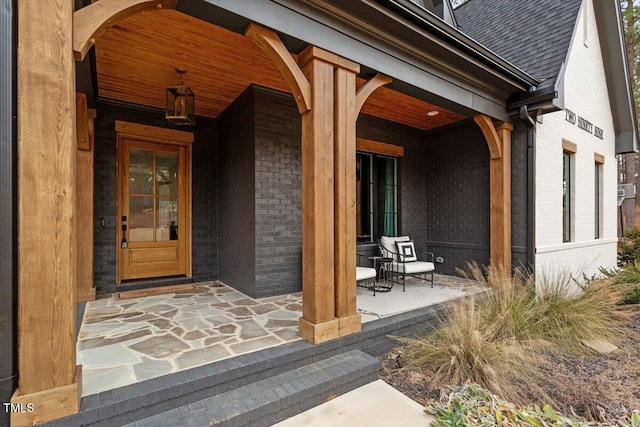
point(365, 273)
point(406, 251)
point(413, 267)
point(389, 243)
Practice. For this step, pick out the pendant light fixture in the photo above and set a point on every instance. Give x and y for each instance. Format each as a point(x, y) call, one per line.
point(180, 107)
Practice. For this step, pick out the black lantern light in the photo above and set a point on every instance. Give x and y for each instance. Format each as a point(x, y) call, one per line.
point(180, 108)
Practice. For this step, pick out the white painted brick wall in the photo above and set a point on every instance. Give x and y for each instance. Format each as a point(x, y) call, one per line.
point(586, 95)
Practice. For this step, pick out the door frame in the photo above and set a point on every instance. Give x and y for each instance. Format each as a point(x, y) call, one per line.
point(157, 135)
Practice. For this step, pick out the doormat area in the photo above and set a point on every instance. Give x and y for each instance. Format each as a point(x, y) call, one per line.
point(139, 293)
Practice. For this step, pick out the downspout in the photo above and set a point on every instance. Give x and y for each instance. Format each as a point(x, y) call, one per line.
point(531, 185)
point(539, 101)
point(8, 205)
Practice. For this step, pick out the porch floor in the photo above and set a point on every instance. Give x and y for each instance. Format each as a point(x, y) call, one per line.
point(122, 342)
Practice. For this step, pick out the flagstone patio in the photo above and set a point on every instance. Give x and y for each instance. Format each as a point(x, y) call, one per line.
point(125, 341)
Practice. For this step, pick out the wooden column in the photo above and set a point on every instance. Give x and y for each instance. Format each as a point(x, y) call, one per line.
point(324, 87)
point(48, 376)
point(500, 190)
point(84, 203)
point(498, 138)
point(346, 114)
point(318, 322)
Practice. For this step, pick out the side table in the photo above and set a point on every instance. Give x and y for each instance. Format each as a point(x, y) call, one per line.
point(380, 265)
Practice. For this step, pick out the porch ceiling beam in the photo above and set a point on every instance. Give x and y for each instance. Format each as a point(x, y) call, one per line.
point(269, 42)
point(368, 88)
point(489, 130)
point(90, 22)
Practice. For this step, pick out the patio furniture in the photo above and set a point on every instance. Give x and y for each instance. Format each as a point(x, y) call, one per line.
point(382, 267)
point(367, 277)
point(405, 260)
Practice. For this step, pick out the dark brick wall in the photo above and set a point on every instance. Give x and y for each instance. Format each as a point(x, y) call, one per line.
point(204, 185)
point(247, 226)
point(262, 128)
point(458, 195)
point(519, 195)
point(412, 174)
point(236, 210)
point(278, 198)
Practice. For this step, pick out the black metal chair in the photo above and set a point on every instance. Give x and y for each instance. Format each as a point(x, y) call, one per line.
point(406, 262)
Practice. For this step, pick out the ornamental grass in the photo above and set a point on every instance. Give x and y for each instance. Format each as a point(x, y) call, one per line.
point(501, 338)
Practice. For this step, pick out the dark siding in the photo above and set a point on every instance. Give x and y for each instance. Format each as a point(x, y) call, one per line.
point(278, 198)
point(413, 174)
point(458, 196)
point(204, 185)
point(236, 195)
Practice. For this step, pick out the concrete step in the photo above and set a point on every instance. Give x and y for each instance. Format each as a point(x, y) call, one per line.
point(275, 398)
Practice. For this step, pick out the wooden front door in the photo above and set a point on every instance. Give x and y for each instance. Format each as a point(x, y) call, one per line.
point(153, 209)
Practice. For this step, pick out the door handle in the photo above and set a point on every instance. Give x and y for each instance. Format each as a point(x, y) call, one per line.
point(124, 244)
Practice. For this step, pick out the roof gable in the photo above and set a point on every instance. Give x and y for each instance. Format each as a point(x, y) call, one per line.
point(532, 35)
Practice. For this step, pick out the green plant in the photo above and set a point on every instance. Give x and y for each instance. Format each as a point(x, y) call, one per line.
point(471, 405)
point(629, 247)
point(630, 273)
point(632, 297)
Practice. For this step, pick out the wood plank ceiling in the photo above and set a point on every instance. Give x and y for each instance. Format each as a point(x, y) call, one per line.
point(136, 60)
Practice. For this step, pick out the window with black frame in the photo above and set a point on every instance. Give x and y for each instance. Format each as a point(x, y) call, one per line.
point(598, 201)
point(566, 197)
point(376, 197)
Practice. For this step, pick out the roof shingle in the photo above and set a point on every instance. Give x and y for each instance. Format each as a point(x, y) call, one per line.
point(533, 35)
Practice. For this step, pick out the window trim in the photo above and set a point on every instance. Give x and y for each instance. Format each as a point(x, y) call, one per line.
point(376, 147)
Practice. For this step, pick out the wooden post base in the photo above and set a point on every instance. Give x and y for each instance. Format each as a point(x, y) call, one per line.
point(330, 330)
point(350, 325)
point(86, 295)
point(47, 405)
point(320, 332)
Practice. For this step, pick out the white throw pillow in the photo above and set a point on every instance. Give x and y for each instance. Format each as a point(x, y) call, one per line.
point(406, 251)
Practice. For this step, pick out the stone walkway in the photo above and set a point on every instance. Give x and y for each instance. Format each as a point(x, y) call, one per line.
point(125, 341)
point(122, 342)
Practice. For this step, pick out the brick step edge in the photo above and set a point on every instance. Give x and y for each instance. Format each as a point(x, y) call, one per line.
point(275, 398)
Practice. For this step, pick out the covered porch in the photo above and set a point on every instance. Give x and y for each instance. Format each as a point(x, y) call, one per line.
point(270, 200)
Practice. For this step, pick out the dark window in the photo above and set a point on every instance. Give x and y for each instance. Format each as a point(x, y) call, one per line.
point(598, 199)
point(376, 197)
point(566, 197)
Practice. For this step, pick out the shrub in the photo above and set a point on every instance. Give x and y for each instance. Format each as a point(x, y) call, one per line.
point(630, 273)
point(632, 297)
point(629, 247)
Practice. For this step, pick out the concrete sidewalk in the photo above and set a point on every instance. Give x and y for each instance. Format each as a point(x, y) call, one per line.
point(373, 405)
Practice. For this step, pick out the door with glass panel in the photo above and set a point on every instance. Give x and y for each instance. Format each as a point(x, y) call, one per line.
point(153, 210)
